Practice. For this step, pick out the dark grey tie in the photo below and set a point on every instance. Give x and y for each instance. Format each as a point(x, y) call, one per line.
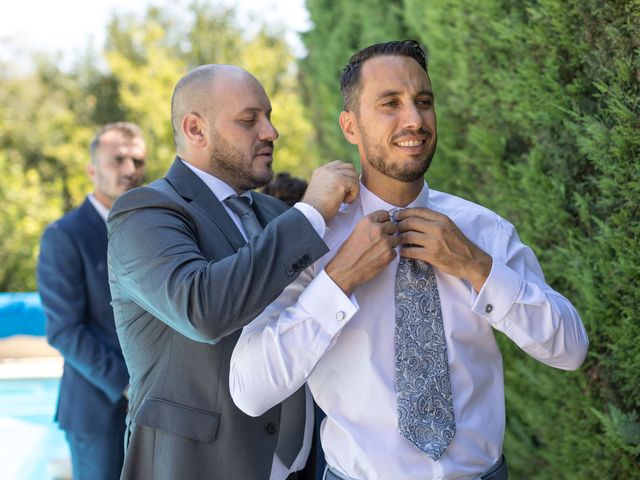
point(291, 433)
point(293, 409)
point(423, 387)
point(241, 206)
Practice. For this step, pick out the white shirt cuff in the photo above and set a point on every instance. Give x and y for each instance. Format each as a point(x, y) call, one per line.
point(498, 294)
point(327, 304)
point(314, 217)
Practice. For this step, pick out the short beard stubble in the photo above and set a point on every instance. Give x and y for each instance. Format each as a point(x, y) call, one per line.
point(234, 167)
point(408, 171)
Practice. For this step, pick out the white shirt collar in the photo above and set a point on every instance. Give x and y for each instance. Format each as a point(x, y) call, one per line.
point(370, 202)
point(100, 208)
point(219, 188)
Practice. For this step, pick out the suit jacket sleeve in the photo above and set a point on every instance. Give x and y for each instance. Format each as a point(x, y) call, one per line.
point(156, 257)
point(62, 287)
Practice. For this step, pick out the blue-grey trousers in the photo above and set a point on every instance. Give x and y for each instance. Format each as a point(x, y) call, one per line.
point(96, 456)
point(497, 472)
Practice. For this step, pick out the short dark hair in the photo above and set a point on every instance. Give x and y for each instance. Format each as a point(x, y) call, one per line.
point(350, 78)
point(128, 129)
point(287, 188)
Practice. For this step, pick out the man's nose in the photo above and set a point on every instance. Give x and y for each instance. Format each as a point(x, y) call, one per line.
point(128, 166)
point(412, 118)
point(268, 133)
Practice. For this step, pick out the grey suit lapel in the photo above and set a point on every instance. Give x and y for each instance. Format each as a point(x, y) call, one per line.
point(191, 188)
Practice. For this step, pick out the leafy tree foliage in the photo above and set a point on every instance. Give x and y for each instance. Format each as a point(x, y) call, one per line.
point(48, 116)
point(41, 155)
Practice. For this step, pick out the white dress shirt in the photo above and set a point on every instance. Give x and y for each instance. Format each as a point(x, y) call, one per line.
point(344, 349)
point(223, 191)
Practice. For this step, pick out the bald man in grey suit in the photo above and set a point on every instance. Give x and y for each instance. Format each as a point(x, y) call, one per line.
point(188, 271)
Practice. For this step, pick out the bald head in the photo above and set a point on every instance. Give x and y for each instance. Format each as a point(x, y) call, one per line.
point(221, 119)
point(199, 91)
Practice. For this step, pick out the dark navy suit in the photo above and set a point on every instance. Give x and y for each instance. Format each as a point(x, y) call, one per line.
point(74, 287)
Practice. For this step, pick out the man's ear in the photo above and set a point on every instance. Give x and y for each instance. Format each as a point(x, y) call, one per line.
point(348, 126)
point(91, 170)
point(193, 129)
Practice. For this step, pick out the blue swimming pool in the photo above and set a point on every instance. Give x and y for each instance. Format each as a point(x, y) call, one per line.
point(31, 445)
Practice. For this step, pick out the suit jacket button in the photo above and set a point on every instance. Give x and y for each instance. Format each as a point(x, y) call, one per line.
point(272, 428)
point(289, 272)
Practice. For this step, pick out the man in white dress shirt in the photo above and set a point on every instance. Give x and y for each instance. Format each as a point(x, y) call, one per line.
point(334, 327)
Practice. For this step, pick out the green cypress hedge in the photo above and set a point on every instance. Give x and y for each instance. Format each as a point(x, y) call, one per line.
point(539, 119)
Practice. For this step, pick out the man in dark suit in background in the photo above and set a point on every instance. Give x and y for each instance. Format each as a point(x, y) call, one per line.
point(74, 287)
point(195, 257)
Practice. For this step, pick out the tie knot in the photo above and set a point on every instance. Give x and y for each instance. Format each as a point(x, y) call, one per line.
point(393, 215)
point(239, 205)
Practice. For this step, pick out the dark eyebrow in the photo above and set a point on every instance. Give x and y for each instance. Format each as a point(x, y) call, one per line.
point(120, 158)
point(388, 93)
point(395, 93)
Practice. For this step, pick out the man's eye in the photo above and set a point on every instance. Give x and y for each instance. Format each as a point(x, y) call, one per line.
point(248, 121)
point(138, 162)
point(426, 102)
point(391, 103)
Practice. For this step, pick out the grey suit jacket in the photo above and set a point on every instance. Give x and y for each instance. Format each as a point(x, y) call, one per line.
point(183, 284)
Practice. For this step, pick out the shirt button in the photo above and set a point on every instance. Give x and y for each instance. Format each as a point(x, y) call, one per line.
point(272, 428)
point(340, 316)
point(488, 308)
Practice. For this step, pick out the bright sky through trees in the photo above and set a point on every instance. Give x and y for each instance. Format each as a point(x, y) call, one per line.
point(70, 26)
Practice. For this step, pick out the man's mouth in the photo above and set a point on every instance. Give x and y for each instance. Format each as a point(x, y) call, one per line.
point(265, 150)
point(412, 146)
point(410, 143)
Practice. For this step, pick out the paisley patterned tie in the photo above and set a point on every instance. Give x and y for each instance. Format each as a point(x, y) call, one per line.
point(423, 388)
